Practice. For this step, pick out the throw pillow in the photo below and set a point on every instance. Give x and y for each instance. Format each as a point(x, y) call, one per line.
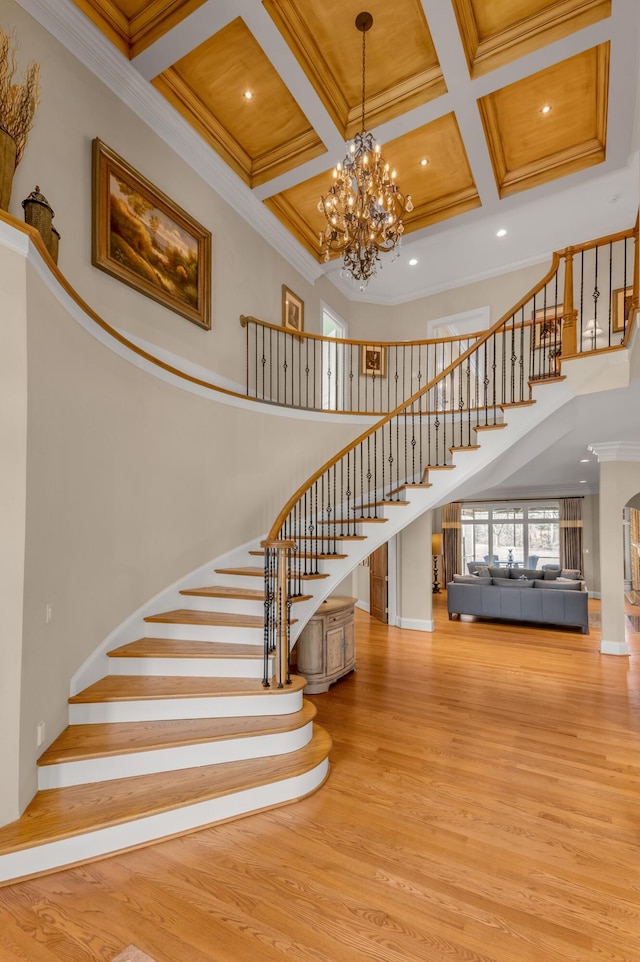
point(561, 585)
point(530, 573)
point(573, 574)
point(483, 571)
point(471, 580)
point(498, 572)
point(550, 574)
point(512, 583)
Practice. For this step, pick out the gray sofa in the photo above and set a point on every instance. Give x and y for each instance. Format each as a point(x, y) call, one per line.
point(556, 597)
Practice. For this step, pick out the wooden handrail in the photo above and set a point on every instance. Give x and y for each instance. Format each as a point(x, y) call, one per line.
point(35, 238)
point(303, 335)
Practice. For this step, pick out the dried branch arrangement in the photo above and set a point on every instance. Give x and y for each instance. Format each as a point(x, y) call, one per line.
point(18, 101)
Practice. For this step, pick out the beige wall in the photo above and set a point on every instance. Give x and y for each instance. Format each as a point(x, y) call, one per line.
point(13, 445)
point(410, 321)
point(131, 483)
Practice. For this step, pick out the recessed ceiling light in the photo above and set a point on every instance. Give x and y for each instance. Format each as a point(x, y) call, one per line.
point(247, 94)
point(584, 460)
point(424, 162)
point(413, 262)
point(501, 232)
point(546, 109)
point(583, 482)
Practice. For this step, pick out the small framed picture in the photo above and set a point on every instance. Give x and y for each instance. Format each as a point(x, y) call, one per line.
point(373, 360)
point(620, 306)
point(292, 311)
point(547, 326)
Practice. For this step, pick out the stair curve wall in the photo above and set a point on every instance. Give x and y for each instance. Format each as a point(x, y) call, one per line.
point(121, 466)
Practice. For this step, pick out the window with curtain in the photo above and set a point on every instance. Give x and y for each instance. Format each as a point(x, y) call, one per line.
point(526, 535)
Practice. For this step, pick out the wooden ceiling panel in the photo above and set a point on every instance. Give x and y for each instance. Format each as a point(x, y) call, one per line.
point(260, 138)
point(529, 148)
point(495, 32)
point(132, 25)
point(442, 189)
point(324, 39)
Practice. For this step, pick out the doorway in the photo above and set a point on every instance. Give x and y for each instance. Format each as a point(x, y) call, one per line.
point(379, 584)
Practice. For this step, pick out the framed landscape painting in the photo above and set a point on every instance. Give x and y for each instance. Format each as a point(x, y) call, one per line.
point(621, 301)
point(145, 240)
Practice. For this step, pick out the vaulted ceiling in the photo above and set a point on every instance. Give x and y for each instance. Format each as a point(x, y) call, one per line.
point(481, 105)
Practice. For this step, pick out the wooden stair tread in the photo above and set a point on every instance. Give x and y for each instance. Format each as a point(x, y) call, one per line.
point(218, 591)
point(465, 447)
point(149, 687)
point(243, 572)
point(171, 648)
point(82, 742)
point(411, 484)
point(515, 404)
point(356, 520)
point(439, 467)
point(490, 427)
point(331, 537)
point(237, 594)
point(321, 556)
point(382, 504)
point(186, 616)
point(61, 813)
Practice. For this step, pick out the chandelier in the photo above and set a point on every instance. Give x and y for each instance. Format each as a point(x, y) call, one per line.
point(363, 207)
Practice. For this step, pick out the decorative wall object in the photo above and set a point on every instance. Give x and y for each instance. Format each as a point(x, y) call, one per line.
point(621, 300)
point(547, 326)
point(292, 311)
point(145, 240)
point(39, 214)
point(18, 103)
point(373, 360)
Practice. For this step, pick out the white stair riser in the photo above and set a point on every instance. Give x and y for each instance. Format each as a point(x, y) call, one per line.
point(234, 606)
point(189, 667)
point(173, 759)
point(221, 633)
point(80, 848)
point(157, 709)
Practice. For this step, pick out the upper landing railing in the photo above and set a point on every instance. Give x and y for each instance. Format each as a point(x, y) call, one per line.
point(584, 306)
point(585, 303)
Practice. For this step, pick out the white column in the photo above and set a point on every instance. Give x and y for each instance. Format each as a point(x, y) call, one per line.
point(619, 483)
point(415, 565)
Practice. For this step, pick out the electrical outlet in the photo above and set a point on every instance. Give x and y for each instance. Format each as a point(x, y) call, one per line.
point(48, 614)
point(41, 733)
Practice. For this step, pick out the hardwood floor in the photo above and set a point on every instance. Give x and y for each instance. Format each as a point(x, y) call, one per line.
point(483, 805)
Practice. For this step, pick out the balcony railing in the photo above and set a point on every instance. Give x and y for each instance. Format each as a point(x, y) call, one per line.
point(582, 306)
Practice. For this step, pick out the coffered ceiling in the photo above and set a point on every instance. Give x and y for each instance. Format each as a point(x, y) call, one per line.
point(482, 106)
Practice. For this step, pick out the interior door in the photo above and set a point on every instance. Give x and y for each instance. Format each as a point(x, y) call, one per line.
point(378, 584)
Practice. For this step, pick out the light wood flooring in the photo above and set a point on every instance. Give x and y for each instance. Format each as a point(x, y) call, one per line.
point(483, 805)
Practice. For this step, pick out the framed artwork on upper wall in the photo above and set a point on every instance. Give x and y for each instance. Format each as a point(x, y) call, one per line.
point(373, 360)
point(621, 300)
point(547, 326)
point(292, 311)
point(145, 240)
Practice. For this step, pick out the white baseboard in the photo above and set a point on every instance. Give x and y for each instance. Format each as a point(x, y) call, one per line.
point(416, 624)
point(614, 648)
point(364, 606)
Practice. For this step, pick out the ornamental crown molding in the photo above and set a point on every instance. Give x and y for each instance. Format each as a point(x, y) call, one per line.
point(615, 451)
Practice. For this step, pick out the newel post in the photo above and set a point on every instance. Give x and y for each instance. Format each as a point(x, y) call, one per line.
point(276, 610)
point(569, 314)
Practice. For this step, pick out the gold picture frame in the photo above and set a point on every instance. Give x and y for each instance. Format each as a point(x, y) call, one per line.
point(145, 240)
point(292, 311)
point(373, 360)
point(547, 326)
point(621, 300)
